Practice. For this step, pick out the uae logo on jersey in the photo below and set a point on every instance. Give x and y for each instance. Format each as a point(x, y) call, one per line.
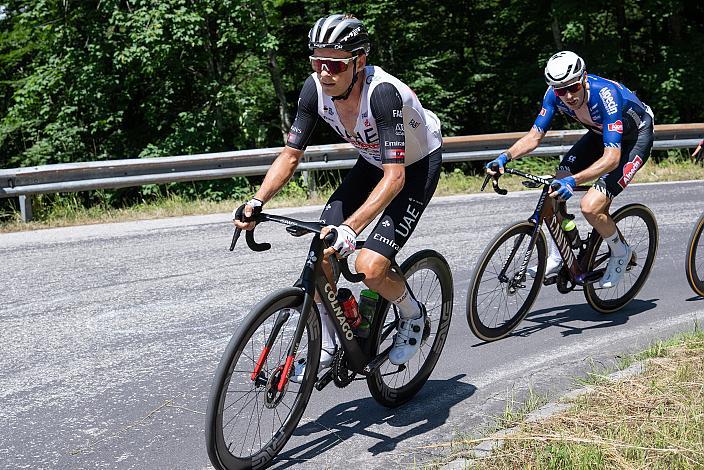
point(616, 127)
point(629, 171)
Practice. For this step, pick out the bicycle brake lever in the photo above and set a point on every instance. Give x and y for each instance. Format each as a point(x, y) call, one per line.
point(235, 237)
point(486, 180)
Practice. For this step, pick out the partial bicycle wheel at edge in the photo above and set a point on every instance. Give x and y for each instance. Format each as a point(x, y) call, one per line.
point(638, 227)
point(430, 280)
point(694, 264)
point(495, 306)
point(247, 421)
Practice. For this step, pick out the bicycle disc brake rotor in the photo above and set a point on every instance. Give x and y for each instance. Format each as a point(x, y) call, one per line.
point(273, 397)
point(341, 375)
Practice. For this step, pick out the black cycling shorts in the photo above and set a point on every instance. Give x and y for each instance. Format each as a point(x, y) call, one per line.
point(401, 216)
point(634, 154)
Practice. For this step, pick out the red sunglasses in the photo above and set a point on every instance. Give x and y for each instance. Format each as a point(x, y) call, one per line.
point(330, 64)
point(574, 88)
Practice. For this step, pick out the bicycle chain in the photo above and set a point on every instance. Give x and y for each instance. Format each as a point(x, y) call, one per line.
point(341, 375)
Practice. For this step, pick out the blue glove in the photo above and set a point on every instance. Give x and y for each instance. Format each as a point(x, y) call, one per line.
point(501, 161)
point(564, 187)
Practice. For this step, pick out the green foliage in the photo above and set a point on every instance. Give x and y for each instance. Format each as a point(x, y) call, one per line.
point(112, 79)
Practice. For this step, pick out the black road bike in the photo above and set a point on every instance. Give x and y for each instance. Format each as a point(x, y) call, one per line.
point(694, 262)
point(254, 406)
point(500, 292)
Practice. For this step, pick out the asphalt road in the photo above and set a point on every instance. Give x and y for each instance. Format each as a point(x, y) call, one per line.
point(111, 334)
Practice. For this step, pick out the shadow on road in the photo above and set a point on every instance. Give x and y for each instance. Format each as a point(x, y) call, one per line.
point(428, 410)
point(576, 318)
point(695, 298)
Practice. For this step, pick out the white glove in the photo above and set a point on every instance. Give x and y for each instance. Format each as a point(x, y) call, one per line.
point(346, 240)
point(253, 203)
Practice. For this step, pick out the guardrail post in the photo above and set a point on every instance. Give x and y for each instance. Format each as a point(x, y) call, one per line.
point(309, 181)
point(26, 207)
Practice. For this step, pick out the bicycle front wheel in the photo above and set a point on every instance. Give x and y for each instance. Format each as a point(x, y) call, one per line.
point(496, 301)
point(430, 280)
point(248, 420)
point(639, 229)
point(694, 264)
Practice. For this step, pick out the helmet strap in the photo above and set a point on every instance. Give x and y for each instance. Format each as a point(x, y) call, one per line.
point(346, 94)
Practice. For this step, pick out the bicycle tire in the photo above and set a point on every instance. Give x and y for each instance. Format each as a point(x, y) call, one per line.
point(439, 310)
point(599, 255)
point(258, 456)
point(476, 318)
point(694, 272)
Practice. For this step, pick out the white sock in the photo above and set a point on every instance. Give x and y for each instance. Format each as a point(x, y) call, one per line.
point(618, 248)
point(554, 251)
point(408, 305)
point(327, 329)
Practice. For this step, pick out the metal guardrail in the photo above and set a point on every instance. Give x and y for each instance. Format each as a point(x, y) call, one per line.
point(72, 177)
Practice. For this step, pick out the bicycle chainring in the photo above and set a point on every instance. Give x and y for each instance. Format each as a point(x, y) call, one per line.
point(341, 375)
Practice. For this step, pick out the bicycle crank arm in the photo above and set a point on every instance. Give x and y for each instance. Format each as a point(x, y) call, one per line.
point(324, 380)
point(375, 363)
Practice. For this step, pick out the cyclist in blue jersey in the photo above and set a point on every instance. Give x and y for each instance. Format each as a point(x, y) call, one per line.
point(399, 144)
point(616, 145)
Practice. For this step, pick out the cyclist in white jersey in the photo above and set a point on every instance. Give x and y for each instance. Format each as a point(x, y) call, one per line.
point(396, 174)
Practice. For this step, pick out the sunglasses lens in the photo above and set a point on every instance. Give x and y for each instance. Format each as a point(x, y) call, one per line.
point(332, 66)
point(574, 88)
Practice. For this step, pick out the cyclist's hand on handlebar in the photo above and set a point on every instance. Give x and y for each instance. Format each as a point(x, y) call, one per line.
point(497, 165)
point(563, 188)
point(345, 240)
point(250, 208)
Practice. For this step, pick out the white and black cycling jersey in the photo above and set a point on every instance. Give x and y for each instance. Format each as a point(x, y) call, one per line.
point(392, 126)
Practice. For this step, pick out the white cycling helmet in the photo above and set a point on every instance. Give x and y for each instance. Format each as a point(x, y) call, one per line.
point(563, 69)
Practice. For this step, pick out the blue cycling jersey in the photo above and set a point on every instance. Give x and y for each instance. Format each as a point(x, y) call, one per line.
point(611, 109)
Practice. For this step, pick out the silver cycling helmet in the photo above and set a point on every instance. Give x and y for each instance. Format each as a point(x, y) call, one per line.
point(563, 69)
point(341, 32)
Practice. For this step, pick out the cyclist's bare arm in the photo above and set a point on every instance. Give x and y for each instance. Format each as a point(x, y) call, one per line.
point(608, 161)
point(276, 177)
point(525, 144)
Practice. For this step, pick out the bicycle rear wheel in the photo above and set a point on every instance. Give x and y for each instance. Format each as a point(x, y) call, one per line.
point(694, 264)
point(639, 229)
point(495, 304)
point(248, 421)
point(430, 280)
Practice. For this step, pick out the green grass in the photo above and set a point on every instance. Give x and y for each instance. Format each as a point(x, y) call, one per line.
point(68, 209)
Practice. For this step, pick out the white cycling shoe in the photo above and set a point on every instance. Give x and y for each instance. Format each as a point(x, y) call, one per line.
point(615, 269)
point(407, 339)
point(552, 267)
point(299, 368)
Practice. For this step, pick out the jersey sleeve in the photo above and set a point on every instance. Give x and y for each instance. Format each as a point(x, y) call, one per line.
point(386, 107)
point(542, 122)
point(306, 116)
point(611, 104)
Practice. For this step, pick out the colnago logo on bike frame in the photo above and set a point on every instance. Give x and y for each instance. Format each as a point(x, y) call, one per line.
point(339, 314)
point(562, 244)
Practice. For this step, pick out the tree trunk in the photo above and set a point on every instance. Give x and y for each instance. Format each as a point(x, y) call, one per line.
point(275, 72)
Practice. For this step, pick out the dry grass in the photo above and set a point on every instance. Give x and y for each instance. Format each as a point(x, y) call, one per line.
point(654, 420)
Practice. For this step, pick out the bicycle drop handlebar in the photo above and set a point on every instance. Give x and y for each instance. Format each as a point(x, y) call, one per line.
point(511, 171)
point(296, 228)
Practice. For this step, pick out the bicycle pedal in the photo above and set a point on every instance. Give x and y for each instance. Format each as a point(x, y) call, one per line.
point(324, 380)
point(548, 281)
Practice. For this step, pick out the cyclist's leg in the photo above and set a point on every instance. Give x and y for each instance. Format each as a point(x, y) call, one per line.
point(595, 205)
point(395, 226)
point(347, 198)
point(580, 156)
